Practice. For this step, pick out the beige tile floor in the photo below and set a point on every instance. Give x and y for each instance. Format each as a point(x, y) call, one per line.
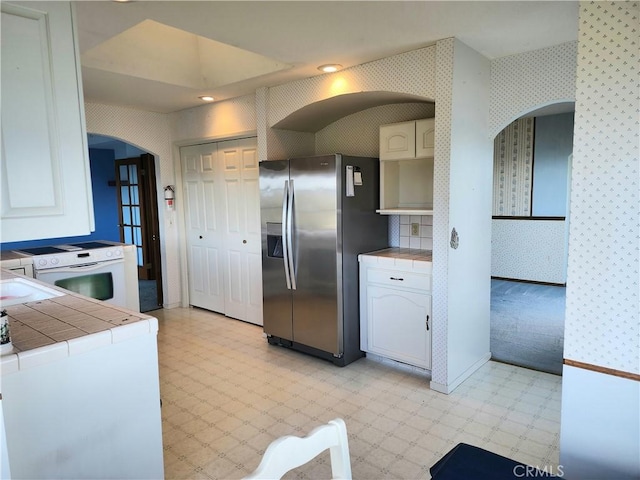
point(227, 394)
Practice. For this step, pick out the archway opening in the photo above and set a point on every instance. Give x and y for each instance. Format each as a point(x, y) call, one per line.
point(530, 218)
point(126, 208)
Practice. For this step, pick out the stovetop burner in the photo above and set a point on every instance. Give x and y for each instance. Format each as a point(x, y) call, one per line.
point(69, 247)
point(41, 250)
point(90, 245)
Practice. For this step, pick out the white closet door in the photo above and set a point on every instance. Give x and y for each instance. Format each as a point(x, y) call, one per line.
point(243, 263)
point(222, 218)
point(204, 220)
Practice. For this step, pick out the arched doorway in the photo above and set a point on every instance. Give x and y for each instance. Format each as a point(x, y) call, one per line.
point(532, 163)
point(132, 203)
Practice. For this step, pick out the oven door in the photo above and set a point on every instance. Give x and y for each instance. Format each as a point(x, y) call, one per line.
point(101, 280)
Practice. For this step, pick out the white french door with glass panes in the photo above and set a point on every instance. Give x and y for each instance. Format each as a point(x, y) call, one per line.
point(222, 219)
point(128, 186)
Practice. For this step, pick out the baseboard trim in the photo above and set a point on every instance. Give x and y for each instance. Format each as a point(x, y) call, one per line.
point(531, 218)
point(173, 305)
point(551, 284)
point(599, 369)
point(447, 389)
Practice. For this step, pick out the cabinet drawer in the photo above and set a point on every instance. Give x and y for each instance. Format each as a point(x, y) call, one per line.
point(401, 279)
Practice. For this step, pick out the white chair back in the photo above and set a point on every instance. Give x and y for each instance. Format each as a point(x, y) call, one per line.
point(289, 452)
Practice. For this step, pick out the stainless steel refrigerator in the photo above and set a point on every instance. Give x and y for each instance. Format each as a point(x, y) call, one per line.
point(317, 214)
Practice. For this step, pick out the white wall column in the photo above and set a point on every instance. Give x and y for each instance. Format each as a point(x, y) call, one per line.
point(462, 202)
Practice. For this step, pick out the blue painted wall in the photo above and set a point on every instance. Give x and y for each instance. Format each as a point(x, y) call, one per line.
point(105, 205)
point(552, 147)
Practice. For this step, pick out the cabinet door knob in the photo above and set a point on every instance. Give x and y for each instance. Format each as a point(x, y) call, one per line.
point(427, 322)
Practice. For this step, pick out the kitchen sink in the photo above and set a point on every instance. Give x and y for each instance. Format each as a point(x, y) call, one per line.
point(20, 290)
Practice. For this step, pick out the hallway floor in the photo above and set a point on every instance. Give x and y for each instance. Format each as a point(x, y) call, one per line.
point(227, 394)
point(148, 294)
point(527, 324)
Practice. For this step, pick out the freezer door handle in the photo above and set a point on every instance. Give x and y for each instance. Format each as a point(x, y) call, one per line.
point(292, 269)
point(285, 250)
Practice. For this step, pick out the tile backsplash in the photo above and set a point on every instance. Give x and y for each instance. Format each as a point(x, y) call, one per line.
point(400, 231)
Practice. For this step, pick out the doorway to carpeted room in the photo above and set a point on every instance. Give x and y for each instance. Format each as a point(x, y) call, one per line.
point(527, 324)
point(148, 292)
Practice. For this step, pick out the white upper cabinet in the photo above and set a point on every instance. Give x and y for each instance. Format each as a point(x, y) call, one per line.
point(407, 140)
point(425, 140)
point(406, 168)
point(46, 183)
point(398, 141)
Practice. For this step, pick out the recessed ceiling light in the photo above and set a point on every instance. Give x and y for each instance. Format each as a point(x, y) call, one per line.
point(206, 98)
point(331, 67)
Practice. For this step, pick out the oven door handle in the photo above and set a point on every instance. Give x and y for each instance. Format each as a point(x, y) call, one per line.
point(85, 267)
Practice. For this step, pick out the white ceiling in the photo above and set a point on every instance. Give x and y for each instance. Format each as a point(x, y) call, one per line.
point(161, 55)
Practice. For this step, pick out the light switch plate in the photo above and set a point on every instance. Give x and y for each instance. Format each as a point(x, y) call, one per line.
point(415, 229)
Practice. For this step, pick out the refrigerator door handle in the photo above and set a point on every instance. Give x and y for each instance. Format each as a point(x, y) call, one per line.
point(292, 268)
point(285, 233)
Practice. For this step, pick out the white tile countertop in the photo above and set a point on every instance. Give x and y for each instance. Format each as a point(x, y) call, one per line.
point(10, 259)
point(407, 258)
point(45, 330)
point(7, 255)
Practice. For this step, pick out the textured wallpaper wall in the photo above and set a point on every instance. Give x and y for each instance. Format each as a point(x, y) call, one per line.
point(513, 168)
point(600, 434)
point(216, 120)
point(532, 250)
point(521, 249)
point(412, 73)
point(602, 324)
point(444, 94)
point(521, 83)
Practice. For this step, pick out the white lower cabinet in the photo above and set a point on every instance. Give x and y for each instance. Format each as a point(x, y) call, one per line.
point(395, 313)
point(399, 325)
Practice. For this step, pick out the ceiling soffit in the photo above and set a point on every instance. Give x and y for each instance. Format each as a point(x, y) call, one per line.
point(158, 52)
point(316, 116)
